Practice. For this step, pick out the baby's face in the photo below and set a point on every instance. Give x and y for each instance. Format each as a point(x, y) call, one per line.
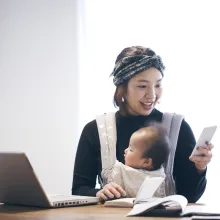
point(134, 153)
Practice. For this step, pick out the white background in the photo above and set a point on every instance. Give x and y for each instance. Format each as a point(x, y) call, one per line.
point(55, 61)
point(39, 86)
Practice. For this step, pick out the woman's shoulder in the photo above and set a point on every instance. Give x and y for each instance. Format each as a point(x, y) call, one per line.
point(185, 130)
point(185, 127)
point(90, 128)
point(90, 125)
point(89, 135)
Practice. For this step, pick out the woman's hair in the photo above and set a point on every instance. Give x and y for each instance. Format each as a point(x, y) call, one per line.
point(121, 90)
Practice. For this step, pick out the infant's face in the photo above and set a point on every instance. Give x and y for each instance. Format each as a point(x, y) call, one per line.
point(140, 142)
point(134, 154)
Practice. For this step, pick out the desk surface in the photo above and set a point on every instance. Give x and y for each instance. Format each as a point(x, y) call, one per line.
point(92, 212)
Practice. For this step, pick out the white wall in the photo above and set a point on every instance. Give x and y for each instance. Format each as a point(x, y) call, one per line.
point(39, 86)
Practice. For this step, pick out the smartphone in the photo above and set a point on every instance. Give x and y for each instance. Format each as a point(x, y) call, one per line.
point(206, 136)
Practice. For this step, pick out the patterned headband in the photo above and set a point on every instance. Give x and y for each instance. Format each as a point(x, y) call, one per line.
point(129, 66)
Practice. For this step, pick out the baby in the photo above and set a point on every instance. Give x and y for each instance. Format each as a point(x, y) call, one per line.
point(147, 151)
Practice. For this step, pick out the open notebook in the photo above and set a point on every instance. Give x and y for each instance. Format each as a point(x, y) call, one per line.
point(19, 185)
point(174, 205)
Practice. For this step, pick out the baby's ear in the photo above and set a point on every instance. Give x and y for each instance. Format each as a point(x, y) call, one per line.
point(147, 164)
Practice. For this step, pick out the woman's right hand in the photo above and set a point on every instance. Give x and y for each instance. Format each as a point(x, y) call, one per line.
point(110, 191)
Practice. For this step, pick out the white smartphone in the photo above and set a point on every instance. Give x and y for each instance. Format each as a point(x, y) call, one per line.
point(206, 136)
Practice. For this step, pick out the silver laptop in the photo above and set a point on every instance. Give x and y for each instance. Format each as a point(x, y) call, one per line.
point(19, 185)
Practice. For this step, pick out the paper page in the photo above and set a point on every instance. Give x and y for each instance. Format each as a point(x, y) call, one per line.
point(181, 200)
point(148, 188)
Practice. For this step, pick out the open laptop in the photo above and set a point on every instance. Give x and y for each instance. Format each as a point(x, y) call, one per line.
point(19, 185)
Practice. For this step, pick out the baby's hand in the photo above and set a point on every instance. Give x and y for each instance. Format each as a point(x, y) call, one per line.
point(110, 191)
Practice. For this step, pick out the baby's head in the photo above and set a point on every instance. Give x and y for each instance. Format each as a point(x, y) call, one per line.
point(148, 148)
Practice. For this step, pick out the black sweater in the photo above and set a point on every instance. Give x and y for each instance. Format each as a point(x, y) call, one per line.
point(189, 182)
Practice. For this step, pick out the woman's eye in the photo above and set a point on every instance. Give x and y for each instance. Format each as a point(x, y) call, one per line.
point(142, 87)
point(158, 86)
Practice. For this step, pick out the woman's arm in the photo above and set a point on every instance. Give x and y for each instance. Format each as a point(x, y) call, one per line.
point(87, 162)
point(189, 181)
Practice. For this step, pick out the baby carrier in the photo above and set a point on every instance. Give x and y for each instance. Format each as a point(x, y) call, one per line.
point(107, 134)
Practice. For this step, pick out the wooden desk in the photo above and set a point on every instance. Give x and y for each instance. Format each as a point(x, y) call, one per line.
point(92, 212)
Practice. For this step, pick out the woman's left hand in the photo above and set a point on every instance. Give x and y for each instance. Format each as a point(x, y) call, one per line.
point(204, 157)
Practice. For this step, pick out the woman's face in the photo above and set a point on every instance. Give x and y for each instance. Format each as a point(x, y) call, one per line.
point(143, 92)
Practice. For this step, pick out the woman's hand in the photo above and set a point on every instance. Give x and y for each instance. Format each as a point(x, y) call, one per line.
point(110, 191)
point(204, 158)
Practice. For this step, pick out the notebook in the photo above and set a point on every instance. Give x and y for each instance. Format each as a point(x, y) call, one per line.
point(19, 185)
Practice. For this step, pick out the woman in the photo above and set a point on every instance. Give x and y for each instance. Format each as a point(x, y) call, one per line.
point(138, 76)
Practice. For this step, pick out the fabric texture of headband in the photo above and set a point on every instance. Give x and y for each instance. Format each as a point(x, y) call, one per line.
point(129, 66)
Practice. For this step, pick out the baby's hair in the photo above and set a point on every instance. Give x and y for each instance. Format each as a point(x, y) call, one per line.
point(158, 146)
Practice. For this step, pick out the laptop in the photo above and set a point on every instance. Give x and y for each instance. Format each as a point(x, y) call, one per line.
point(19, 185)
